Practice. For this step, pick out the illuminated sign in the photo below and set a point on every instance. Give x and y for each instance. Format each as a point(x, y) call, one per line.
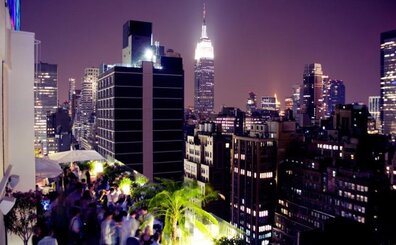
point(14, 9)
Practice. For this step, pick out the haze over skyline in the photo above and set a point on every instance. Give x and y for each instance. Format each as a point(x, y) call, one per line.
point(260, 46)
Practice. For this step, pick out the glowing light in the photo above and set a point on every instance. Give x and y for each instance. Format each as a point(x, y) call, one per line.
point(125, 186)
point(148, 54)
point(97, 167)
point(204, 50)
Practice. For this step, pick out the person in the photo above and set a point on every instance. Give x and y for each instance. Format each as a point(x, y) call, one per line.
point(75, 227)
point(134, 223)
point(147, 219)
point(146, 238)
point(37, 234)
point(156, 239)
point(48, 239)
point(75, 169)
point(107, 229)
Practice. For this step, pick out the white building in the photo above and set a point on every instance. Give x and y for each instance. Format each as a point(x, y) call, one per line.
point(16, 100)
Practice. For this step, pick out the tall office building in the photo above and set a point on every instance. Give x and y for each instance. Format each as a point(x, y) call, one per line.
point(251, 104)
point(59, 134)
point(72, 88)
point(45, 100)
point(140, 115)
point(136, 42)
point(269, 103)
point(374, 108)
point(296, 96)
point(204, 74)
point(253, 165)
point(312, 94)
point(88, 94)
point(388, 82)
point(333, 94)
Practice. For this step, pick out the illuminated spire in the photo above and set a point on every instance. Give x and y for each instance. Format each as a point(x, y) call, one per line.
point(204, 34)
point(204, 47)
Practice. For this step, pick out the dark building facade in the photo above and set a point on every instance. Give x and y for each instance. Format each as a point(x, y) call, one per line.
point(140, 117)
point(253, 171)
point(59, 132)
point(334, 94)
point(312, 94)
point(136, 40)
point(334, 173)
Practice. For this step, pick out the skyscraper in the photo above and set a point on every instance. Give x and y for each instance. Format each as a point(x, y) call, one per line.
point(204, 74)
point(374, 110)
point(88, 94)
point(334, 94)
point(45, 100)
point(140, 115)
point(312, 94)
point(268, 103)
point(388, 82)
point(253, 165)
point(251, 104)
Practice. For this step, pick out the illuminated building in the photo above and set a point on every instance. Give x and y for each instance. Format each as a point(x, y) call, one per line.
point(388, 82)
point(207, 160)
point(251, 104)
point(140, 115)
point(204, 75)
point(326, 177)
point(289, 103)
point(88, 94)
point(231, 120)
point(45, 100)
point(374, 108)
point(268, 103)
point(333, 94)
point(136, 42)
point(16, 107)
point(312, 95)
point(72, 88)
point(296, 96)
point(253, 168)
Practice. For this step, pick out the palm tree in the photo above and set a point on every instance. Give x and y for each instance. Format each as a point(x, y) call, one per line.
point(174, 203)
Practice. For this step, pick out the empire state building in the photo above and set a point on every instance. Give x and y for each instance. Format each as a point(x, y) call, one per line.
point(204, 75)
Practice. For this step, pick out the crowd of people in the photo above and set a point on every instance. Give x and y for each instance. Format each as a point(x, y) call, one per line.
point(85, 212)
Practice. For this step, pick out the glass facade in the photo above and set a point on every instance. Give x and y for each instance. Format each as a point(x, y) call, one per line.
point(388, 82)
point(45, 100)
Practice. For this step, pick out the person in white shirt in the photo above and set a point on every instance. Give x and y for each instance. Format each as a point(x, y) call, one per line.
point(107, 229)
point(48, 240)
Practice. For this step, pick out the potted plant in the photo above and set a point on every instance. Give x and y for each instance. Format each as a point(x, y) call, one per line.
point(23, 216)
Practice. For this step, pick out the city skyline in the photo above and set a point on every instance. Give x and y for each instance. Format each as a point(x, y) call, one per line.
point(265, 44)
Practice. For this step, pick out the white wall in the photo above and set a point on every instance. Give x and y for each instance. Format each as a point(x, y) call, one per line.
point(20, 109)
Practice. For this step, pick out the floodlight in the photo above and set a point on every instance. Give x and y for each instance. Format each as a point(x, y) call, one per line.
point(13, 180)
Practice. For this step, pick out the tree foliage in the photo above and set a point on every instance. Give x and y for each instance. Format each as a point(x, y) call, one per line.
point(178, 204)
point(229, 241)
point(23, 216)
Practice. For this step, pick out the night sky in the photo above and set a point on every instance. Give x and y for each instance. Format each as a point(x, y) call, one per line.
point(259, 45)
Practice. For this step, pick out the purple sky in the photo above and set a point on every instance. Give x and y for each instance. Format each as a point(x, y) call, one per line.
point(260, 45)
